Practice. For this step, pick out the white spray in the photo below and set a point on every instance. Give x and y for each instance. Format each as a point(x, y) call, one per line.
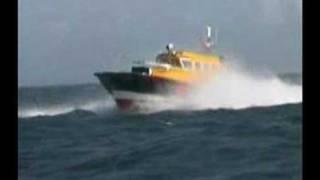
point(236, 88)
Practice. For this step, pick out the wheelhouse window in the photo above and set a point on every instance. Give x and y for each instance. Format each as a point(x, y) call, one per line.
point(168, 59)
point(162, 58)
point(187, 64)
point(197, 66)
point(205, 67)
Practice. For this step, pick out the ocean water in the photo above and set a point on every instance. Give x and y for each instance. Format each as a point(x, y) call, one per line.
point(75, 132)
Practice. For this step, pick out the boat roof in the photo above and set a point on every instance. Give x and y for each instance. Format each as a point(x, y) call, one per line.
point(199, 57)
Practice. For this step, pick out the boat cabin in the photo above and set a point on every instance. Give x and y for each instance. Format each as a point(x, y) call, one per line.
point(172, 62)
point(190, 61)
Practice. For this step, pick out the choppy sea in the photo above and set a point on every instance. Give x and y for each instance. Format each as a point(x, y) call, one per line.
point(75, 132)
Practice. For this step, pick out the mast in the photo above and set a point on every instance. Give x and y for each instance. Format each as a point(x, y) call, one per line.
point(209, 43)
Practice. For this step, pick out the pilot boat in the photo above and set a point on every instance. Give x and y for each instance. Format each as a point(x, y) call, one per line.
point(173, 74)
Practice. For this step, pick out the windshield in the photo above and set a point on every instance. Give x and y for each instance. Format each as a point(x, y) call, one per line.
point(168, 59)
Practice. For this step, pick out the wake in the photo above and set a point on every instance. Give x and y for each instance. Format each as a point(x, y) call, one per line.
point(95, 106)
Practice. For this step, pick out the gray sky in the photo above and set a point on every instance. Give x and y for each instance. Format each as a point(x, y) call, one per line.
point(66, 41)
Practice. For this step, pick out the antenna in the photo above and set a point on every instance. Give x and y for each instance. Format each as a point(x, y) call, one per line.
point(208, 32)
point(209, 43)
